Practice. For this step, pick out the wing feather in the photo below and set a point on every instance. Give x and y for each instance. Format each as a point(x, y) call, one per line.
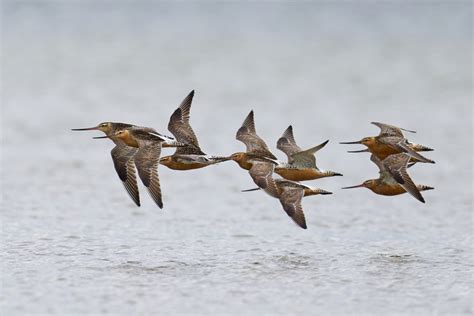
point(247, 135)
point(181, 129)
point(290, 199)
point(122, 157)
point(147, 161)
point(397, 167)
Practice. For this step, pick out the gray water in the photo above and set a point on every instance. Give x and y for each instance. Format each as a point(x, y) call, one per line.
point(72, 242)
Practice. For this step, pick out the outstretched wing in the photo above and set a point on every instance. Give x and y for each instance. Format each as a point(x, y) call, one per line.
point(306, 158)
point(287, 144)
point(146, 160)
point(261, 173)
point(402, 145)
point(376, 160)
point(397, 167)
point(122, 156)
point(181, 129)
point(247, 135)
point(290, 199)
point(391, 130)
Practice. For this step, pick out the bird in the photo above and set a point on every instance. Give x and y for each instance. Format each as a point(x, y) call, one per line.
point(290, 194)
point(393, 178)
point(189, 156)
point(146, 158)
point(257, 159)
point(122, 155)
point(391, 141)
point(301, 164)
point(255, 146)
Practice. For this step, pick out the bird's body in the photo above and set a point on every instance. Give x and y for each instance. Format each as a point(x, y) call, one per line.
point(123, 154)
point(301, 165)
point(391, 141)
point(257, 159)
point(393, 178)
point(190, 156)
point(146, 158)
point(290, 195)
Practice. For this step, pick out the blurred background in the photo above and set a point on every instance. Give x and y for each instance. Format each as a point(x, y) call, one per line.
point(74, 243)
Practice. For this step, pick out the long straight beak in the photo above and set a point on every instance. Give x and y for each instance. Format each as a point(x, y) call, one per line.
point(99, 137)
point(354, 186)
point(84, 129)
point(356, 142)
point(250, 190)
point(359, 151)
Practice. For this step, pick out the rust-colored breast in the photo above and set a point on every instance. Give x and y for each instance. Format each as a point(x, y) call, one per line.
point(173, 164)
point(388, 189)
point(244, 164)
point(299, 174)
point(382, 151)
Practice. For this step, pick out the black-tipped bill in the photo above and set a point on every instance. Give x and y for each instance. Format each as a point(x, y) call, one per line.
point(84, 129)
point(356, 142)
point(358, 151)
point(250, 190)
point(354, 186)
point(99, 137)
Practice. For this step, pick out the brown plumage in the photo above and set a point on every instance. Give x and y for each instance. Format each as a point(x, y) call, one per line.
point(290, 194)
point(190, 156)
point(122, 154)
point(248, 135)
point(181, 129)
point(146, 158)
point(262, 174)
point(122, 157)
point(393, 178)
point(391, 141)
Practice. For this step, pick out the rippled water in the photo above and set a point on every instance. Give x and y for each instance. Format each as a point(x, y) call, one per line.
point(74, 243)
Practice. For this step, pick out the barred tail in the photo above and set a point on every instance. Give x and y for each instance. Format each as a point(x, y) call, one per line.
point(332, 174)
point(422, 187)
point(173, 143)
point(419, 147)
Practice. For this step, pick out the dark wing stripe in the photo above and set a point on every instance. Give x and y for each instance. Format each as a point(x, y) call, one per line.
point(290, 199)
point(185, 107)
point(181, 129)
point(261, 173)
point(410, 187)
point(403, 145)
point(397, 167)
point(249, 123)
point(155, 189)
point(254, 144)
